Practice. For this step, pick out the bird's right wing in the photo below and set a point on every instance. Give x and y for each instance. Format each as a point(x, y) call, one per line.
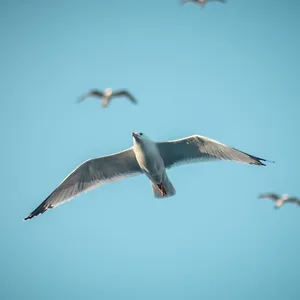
point(89, 175)
point(92, 93)
point(200, 148)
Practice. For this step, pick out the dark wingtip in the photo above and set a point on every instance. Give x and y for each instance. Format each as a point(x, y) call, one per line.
point(269, 161)
point(256, 160)
point(32, 215)
point(259, 161)
point(38, 211)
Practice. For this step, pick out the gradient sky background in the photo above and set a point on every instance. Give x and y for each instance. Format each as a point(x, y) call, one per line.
point(229, 72)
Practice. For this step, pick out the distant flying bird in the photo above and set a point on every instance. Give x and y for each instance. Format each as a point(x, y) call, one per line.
point(280, 199)
point(202, 3)
point(148, 157)
point(107, 95)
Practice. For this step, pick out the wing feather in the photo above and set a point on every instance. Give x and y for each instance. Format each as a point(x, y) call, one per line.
point(269, 196)
point(125, 93)
point(92, 93)
point(200, 148)
point(292, 200)
point(89, 175)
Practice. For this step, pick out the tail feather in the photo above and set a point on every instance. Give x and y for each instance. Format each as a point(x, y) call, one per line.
point(168, 186)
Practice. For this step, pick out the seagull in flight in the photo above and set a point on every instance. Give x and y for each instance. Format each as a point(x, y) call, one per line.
point(280, 200)
point(202, 3)
point(107, 95)
point(144, 157)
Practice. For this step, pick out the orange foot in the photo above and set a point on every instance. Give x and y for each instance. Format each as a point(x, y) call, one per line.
point(162, 189)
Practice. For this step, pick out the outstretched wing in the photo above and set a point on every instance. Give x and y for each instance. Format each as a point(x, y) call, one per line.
point(92, 93)
point(89, 175)
point(200, 148)
point(125, 93)
point(269, 196)
point(292, 200)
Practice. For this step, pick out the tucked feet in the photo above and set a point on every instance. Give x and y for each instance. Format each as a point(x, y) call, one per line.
point(162, 189)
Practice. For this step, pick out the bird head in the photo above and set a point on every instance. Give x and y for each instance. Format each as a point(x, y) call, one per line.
point(139, 137)
point(108, 92)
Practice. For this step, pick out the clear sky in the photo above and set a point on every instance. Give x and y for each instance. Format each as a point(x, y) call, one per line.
point(229, 72)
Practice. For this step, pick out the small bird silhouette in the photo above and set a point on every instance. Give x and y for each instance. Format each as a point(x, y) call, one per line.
point(280, 200)
point(107, 95)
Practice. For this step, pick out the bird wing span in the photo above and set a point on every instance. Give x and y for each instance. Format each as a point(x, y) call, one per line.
point(89, 175)
point(125, 94)
point(200, 148)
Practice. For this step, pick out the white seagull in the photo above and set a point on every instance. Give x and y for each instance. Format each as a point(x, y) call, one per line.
point(107, 95)
point(145, 156)
point(202, 3)
point(280, 200)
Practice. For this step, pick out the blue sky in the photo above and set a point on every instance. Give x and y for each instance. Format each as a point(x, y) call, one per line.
point(229, 72)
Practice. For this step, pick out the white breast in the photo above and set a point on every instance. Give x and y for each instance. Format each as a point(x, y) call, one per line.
point(149, 159)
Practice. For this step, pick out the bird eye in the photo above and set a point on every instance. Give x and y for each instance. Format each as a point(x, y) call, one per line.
point(141, 133)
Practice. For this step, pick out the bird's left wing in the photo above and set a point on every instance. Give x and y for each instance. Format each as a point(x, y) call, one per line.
point(200, 148)
point(125, 93)
point(292, 200)
point(92, 93)
point(271, 196)
point(89, 175)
